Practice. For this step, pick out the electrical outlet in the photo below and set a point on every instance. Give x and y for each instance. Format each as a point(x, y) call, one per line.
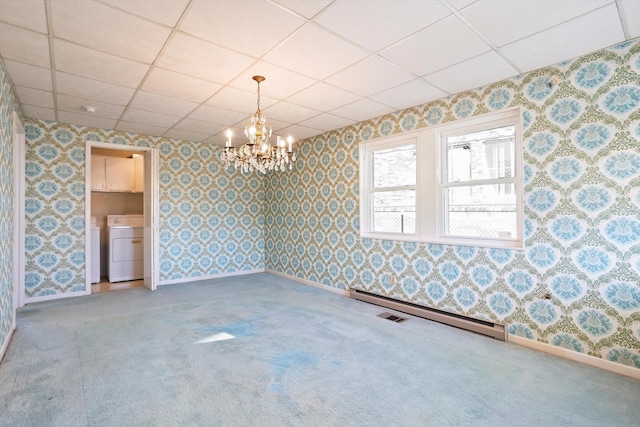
point(392, 280)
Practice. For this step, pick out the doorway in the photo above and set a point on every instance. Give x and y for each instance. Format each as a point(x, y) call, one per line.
point(149, 206)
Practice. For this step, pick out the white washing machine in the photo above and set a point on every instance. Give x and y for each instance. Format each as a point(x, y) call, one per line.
point(126, 247)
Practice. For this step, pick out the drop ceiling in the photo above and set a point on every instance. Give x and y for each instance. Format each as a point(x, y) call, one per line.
point(182, 68)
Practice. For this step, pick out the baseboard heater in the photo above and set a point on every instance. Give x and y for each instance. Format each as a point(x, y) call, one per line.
point(494, 330)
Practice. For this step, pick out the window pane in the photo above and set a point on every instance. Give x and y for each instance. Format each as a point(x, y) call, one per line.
point(487, 154)
point(394, 212)
point(482, 211)
point(394, 167)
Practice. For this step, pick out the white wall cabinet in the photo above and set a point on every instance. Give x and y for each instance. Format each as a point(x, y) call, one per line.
point(98, 169)
point(114, 174)
point(138, 168)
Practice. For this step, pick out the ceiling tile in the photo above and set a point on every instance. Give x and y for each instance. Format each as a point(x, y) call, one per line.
point(276, 125)
point(410, 94)
point(362, 110)
point(217, 140)
point(161, 104)
point(82, 61)
point(299, 132)
point(315, 52)
point(524, 18)
point(436, 47)
point(198, 58)
point(37, 97)
point(369, 76)
point(279, 83)
point(86, 120)
point(92, 89)
point(140, 129)
point(323, 97)
point(630, 12)
point(199, 126)
point(29, 75)
point(179, 86)
point(218, 115)
point(544, 48)
point(24, 45)
point(319, 75)
point(149, 118)
point(239, 100)
point(362, 21)
point(185, 135)
point(109, 30)
point(308, 9)
point(74, 104)
point(165, 12)
point(36, 112)
point(288, 112)
point(28, 14)
point(248, 26)
point(479, 71)
point(461, 4)
point(326, 122)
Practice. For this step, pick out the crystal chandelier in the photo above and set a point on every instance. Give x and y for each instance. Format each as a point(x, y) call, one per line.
point(258, 154)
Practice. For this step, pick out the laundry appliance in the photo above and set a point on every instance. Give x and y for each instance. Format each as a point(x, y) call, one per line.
point(126, 247)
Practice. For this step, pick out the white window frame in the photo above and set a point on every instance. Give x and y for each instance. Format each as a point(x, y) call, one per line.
point(431, 186)
point(367, 189)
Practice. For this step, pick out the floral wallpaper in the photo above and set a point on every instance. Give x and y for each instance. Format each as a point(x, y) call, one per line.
point(577, 282)
point(211, 219)
point(8, 105)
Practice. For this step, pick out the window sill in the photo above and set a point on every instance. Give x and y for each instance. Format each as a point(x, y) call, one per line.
point(451, 241)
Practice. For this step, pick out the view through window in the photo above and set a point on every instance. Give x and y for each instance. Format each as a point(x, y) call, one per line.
point(394, 190)
point(480, 193)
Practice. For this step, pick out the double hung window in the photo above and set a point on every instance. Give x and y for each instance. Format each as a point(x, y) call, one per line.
point(458, 183)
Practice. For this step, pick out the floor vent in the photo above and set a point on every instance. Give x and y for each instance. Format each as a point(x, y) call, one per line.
point(484, 327)
point(392, 317)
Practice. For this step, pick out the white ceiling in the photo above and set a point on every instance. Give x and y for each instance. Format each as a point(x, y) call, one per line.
point(183, 68)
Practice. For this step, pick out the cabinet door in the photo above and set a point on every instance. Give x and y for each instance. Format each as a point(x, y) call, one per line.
point(98, 170)
point(119, 174)
point(138, 166)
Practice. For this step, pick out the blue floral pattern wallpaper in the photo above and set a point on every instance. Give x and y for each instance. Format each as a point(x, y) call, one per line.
point(577, 282)
point(211, 219)
point(8, 105)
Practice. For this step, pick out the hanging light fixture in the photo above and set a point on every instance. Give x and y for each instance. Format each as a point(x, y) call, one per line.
point(257, 153)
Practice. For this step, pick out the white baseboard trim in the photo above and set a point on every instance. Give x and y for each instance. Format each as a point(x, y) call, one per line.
point(5, 345)
point(587, 359)
point(54, 296)
point(310, 283)
point(211, 276)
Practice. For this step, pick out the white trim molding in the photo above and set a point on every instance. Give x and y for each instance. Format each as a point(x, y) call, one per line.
point(587, 359)
point(54, 296)
point(210, 276)
point(5, 346)
point(431, 185)
point(310, 283)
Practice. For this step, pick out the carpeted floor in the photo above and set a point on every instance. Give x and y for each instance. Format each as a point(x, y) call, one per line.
point(299, 356)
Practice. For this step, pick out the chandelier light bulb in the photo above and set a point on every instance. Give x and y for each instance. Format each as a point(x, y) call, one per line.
point(228, 142)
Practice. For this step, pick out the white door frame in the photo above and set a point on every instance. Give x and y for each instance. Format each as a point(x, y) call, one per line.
point(18, 213)
point(150, 245)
